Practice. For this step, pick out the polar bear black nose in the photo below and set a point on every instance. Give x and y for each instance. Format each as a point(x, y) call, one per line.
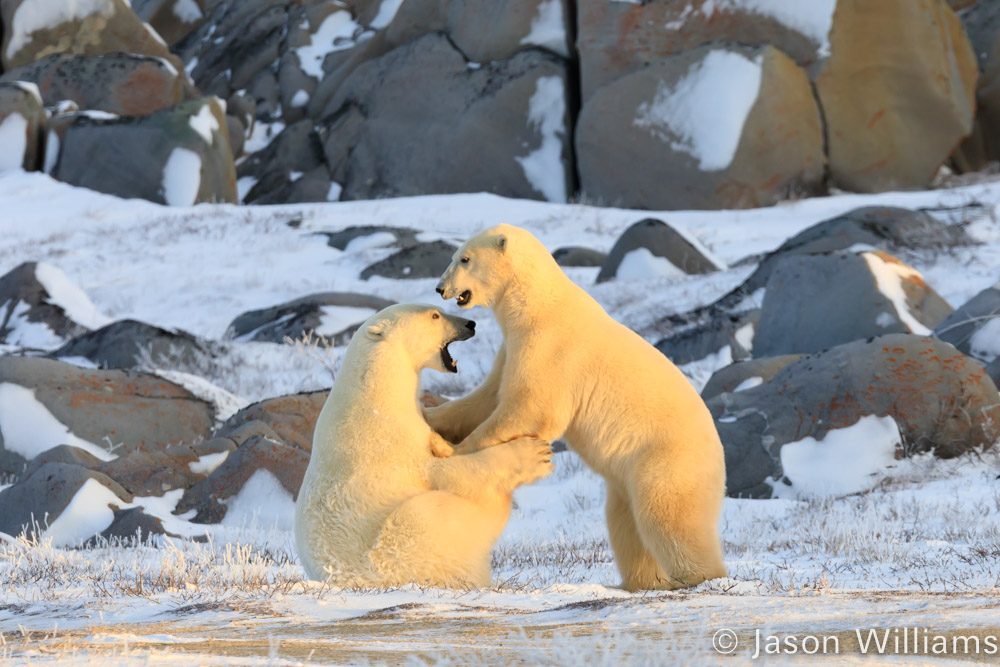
point(470, 325)
point(439, 290)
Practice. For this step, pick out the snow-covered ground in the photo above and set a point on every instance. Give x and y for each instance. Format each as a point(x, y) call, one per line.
point(920, 550)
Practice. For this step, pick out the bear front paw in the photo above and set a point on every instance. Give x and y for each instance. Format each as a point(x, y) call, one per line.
point(534, 460)
point(440, 447)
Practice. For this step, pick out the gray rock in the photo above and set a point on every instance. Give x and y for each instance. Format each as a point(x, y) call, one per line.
point(578, 256)
point(294, 318)
point(813, 302)
point(43, 496)
point(134, 411)
point(208, 497)
point(130, 527)
point(171, 19)
point(280, 166)
point(119, 83)
point(62, 454)
point(661, 240)
point(341, 239)
point(290, 419)
point(727, 379)
point(421, 260)
point(884, 227)
point(132, 344)
point(941, 400)
point(973, 328)
point(421, 120)
point(25, 304)
point(237, 135)
point(982, 24)
point(633, 152)
point(698, 340)
point(19, 100)
point(131, 157)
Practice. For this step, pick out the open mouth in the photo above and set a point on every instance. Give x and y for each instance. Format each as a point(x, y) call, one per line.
point(450, 364)
point(464, 298)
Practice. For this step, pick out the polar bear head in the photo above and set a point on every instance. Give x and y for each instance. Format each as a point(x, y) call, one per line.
point(488, 263)
point(423, 331)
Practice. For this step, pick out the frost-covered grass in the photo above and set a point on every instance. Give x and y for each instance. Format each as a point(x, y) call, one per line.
point(920, 548)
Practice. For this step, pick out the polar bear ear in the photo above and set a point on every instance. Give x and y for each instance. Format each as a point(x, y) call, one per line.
point(378, 330)
point(501, 241)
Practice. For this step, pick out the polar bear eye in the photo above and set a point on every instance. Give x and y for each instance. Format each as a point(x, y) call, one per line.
point(435, 316)
point(465, 260)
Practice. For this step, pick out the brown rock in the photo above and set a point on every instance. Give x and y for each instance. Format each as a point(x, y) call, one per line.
point(119, 83)
point(897, 92)
point(292, 417)
point(114, 28)
point(633, 164)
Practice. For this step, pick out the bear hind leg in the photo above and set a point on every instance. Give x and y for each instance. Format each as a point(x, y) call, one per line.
point(638, 568)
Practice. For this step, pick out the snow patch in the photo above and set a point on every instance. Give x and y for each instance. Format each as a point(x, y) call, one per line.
point(846, 460)
point(299, 99)
point(369, 241)
point(749, 383)
point(29, 428)
point(985, 342)
point(333, 194)
point(187, 11)
point(543, 167)
point(86, 515)
point(181, 177)
point(22, 332)
point(336, 33)
point(889, 277)
point(261, 135)
point(641, 264)
point(548, 29)
point(51, 152)
point(744, 336)
point(204, 123)
point(13, 141)
point(31, 88)
point(34, 15)
point(244, 185)
point(703, 114)
point(263, 502)
point(386, 13)
point(69, 297)
point(207, 464)
point(226, 404)
point(884, 319)
point(334, 319)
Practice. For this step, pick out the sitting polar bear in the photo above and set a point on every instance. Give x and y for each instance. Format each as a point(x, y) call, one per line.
point(566, 368)
point(376, 508)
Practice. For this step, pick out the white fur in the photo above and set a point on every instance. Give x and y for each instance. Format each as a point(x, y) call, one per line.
point(566, 368)
point(376, 507)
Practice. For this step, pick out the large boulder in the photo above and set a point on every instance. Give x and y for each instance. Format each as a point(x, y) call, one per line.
point(41, 308)
point(730, 334)
point(45, 403)
point(420, 120)
point(617, 38)
point(41, 499)
point(974, 328)
point(178, 156)
point(290, 419)
point(33, 29)
point(713, 127)
point(22, 122)
point(208, 497)
point(333, 315)
point(132, 344)
point(813, 302)
point(898, 92)
point(941, 401)
point(428, 259)
point(119, 83)
point(650, 243)
point(887, 228)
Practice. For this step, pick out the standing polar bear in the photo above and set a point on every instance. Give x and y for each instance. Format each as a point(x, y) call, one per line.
point(566, 368)
point(377, 507)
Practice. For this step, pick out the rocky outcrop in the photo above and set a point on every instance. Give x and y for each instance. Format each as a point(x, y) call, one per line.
point(682, 133)
point(132, 344)
point(898, 92)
